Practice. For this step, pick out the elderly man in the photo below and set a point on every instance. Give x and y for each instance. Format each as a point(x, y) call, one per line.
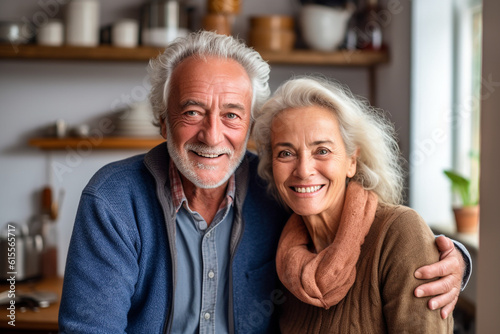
point(183, 239)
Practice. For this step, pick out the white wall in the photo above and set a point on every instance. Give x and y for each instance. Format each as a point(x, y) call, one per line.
point(488, 306)
point(431, 101)
point(33, 94)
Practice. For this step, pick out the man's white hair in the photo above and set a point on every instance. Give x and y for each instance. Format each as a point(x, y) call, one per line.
point(204, 44)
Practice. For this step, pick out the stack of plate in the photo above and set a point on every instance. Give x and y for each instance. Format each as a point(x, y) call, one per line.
point(136, 121)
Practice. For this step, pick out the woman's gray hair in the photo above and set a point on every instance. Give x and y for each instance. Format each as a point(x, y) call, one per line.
point(202, 44)
point(379, 162)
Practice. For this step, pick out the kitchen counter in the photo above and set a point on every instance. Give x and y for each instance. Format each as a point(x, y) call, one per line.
point(42, 321)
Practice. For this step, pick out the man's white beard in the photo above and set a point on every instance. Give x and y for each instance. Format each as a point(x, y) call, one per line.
point(188, 168)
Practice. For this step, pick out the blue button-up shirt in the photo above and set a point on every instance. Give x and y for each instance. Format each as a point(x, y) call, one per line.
point(202, 291)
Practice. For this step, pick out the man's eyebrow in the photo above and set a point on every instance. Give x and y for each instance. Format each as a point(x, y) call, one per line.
point(188, 103)
point(237, 106)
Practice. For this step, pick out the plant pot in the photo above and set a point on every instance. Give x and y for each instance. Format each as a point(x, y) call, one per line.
point(467, 218)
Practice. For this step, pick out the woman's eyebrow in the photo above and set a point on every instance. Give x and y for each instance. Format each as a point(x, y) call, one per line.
point(284, 144)
point(319, 142)
point(314, 143)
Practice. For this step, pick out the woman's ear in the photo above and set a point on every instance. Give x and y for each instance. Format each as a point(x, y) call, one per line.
point(352, 163)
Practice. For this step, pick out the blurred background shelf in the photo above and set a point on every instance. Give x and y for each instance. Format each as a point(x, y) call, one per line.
point(143, 53)
point(97, 143)
point(105, 52)
point(114, 143)
point(337, 58)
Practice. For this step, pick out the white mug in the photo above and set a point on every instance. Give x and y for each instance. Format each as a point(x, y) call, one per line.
point(125, 33)
point(51, 34)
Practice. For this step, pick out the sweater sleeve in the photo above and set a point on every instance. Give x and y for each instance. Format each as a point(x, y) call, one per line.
point(408, 245)
point(101, 271)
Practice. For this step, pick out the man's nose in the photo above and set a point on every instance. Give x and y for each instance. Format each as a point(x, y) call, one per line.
point(211, 132)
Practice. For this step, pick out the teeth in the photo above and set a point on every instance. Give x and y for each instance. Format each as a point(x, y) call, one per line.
point(307, 189)
point(207, 155)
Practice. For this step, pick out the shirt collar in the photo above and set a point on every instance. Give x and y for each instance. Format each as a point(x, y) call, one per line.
point(178, 196)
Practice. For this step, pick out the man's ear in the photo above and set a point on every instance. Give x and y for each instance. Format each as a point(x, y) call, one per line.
point(163, 125)
point(352, 163)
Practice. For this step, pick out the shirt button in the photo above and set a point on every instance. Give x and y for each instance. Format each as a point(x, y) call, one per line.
point(202, 225)
point(211, 274)
point(206, 316)
point(208, 234)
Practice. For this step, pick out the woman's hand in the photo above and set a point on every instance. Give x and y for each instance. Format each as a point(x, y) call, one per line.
point(450, 269)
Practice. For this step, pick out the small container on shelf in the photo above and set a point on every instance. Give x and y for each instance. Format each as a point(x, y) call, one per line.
point(365, 28)
point(51, 34)
point(125, 33)
point(272, 33)
point(82, 22)
point(163, 21)
point(218, 23)
point(323, 27)
point(224, 6)
point(221, 15)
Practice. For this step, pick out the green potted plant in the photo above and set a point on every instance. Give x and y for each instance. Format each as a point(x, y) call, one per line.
point(467, 213)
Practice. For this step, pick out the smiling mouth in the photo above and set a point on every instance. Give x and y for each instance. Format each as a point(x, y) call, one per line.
point(306, 190)
point(207, 155)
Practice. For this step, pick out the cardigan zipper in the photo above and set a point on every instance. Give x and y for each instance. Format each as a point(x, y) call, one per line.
point(167, 327)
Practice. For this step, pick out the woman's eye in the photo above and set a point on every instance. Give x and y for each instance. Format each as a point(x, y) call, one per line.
point(323, 151)
point(284, 154)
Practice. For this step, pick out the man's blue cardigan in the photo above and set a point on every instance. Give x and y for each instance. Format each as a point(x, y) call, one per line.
point(120, 272)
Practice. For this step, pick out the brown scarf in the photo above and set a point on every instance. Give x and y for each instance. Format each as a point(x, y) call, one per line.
point(323, 279)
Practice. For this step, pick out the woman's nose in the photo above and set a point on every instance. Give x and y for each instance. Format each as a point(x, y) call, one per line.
point(304, 167)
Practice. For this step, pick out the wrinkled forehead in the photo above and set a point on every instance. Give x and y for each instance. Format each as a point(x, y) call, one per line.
point(210, 75)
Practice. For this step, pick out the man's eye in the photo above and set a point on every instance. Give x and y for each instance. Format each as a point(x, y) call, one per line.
point(191, 113)
point(231, 115)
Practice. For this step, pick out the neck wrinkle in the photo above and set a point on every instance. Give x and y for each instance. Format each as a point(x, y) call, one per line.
point(323, 227)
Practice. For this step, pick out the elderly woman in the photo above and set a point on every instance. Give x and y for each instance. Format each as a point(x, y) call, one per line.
point(348, 253)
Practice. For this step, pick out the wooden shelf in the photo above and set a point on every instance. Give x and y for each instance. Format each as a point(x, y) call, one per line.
point(114, 143)
point(143, 53)
point(97, 143)
point(105, 52)
point(338, 58)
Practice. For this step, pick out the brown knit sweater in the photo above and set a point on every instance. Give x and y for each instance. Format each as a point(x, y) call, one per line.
point(381, 299)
